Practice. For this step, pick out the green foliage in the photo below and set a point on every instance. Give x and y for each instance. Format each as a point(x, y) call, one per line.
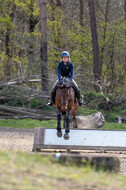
point(89, 96)
point(11, 24)
point(14, 102)
point(112, 47)
point(55, 39)
point(37, 103)
point(64, 33)
point(40, 104)
point(114, 112)
point(86, 111)
point(94, 100)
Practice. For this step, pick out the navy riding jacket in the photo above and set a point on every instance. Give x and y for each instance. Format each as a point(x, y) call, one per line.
point(65, 70)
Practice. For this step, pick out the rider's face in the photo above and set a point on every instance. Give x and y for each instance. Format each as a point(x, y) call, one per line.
point(65, 59)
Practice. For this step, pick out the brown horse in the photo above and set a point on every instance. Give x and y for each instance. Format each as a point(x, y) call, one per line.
point(66, 105)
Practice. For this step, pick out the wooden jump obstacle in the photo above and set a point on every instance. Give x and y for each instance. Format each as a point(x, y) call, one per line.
point(80, 139)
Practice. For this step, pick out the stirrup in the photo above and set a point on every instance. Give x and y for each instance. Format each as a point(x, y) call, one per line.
point(49, 103)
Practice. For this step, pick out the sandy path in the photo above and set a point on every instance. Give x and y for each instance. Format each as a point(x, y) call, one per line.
point(16, 139)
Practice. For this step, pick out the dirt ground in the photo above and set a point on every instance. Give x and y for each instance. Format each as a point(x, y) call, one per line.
point(15, 139)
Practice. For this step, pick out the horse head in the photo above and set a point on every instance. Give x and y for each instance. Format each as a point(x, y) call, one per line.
point(65, 96)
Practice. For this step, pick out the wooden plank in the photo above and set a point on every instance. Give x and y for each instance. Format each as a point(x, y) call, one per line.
point(81, 139)
point(39, 134)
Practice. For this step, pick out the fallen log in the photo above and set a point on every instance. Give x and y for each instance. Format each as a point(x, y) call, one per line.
point(15, 110)
point(10, 112)
point(28, 117)
point(93, 121)
point(106, 163)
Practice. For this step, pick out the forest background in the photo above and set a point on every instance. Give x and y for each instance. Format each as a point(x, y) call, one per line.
point(99, 63)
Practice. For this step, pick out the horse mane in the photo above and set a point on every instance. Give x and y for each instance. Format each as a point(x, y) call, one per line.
point(66, 82)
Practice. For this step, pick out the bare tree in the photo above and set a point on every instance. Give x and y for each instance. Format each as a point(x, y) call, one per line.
point(81, 13)
point(8, 43)
point(33, 20)
point(59, 33)
point(96, 62)
point(58, 3)
point(125, 30)
point(52, 2)
point(104, 34)
point(43, 50)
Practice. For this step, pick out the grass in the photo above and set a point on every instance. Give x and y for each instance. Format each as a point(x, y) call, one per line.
point(114, 126)
point(31, 123)
point(27, 123)
point(25, 171)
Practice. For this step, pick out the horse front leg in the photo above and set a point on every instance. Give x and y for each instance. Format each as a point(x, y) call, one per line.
point(64, 121)
point(67, 130)
point(67, 124)
point(59, 132)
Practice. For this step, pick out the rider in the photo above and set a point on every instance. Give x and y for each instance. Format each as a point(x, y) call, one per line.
point(65, 68)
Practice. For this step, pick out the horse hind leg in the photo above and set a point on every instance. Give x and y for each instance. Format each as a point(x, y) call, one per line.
point(75, 122)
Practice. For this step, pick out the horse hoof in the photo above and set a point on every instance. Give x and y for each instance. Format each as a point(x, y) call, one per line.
point(66, 136)
point(59, 133)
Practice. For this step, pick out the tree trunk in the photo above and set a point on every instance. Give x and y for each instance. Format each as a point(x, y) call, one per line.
point(125, 31)
point(96, 63)
point(112, 63)
point(58, 3)
point(8, 55)
point(82, 25)
point(59, 33)
point(52, 9)
point(31, 30)
point(8, 45)
point(32, 23)
point(43, 50)
point(104, 35)
point(81, 13)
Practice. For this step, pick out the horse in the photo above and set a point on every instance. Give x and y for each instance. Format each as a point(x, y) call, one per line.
point(66, 105)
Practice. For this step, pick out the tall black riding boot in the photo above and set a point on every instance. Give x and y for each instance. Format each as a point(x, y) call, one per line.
point(77, 93)
point(53, 94)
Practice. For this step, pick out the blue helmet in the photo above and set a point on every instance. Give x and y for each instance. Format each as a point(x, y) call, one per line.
point(65, 53)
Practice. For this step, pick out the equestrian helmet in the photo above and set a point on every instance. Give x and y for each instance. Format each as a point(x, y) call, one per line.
point(65, 54)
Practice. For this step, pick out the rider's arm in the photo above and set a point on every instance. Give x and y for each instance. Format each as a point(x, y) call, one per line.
point(72, 71)
point(59, 71)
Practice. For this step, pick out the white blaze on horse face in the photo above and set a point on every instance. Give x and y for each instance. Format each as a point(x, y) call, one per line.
point(64, 100)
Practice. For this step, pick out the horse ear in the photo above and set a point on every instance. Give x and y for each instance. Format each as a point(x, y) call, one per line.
point(69, 86)
point(59, 86)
